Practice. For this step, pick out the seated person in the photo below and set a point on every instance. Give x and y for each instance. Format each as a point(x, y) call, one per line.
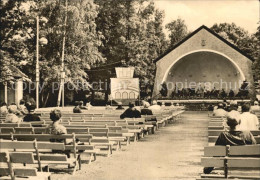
point(155, 106)
point(249, 121)
point(146, 111)
point(88, 105)
point(22, 108)
point(81, 105)
point(56, 128)
point(3, 109)
point(11, 117)
point(77, 109)
point(119, 106)
point(108, 107)
point(131, 112)
point(255, 107)
point(220, 112)
point(233, 137)
point(31, 116)
point(211, 107)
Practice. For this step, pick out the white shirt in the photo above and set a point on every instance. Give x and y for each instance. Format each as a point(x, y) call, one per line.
point(219, 112)
point(255, 108)
point(249, 122)
point(155, 107)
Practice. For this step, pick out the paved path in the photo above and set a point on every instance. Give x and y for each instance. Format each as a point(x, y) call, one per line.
point(174, 152)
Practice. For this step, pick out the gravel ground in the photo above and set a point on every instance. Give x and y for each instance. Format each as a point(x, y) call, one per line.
point(173, 152)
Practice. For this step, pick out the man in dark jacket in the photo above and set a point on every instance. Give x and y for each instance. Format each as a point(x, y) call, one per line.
point(31, 116)
point(131, 112)
point(233, 137)
point(146, 111)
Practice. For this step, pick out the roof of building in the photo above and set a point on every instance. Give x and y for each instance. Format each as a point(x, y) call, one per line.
point(195, 32)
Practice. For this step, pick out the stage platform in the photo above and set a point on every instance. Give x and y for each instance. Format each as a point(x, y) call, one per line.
point(199, 101)
point(198, 104)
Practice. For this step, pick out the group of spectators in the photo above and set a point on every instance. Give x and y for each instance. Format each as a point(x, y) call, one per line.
point(21, 113)
point(239, 125)
point(79, 106)
point(133, 112)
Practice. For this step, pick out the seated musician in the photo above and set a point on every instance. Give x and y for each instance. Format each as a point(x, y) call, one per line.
point(131, 112)
point(219, 111)
point(233, 137)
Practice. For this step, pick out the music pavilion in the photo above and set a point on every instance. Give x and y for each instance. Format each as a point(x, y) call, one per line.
point(204, 58)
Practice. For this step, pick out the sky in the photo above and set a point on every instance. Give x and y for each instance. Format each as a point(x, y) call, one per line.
point(244, 13)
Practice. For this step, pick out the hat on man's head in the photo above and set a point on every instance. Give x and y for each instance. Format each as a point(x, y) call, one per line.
point(256, 103)
point(233, 118)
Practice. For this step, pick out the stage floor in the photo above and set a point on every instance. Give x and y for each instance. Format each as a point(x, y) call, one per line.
point(194, 101)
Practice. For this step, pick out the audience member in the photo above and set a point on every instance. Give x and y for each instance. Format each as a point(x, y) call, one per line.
point(131, 112)
point(81, 106)
point(233, 137)
point(108, 106)
point(145, 110)
point(249, 121)
point(255, 107)
point(220, 112)
point(56, 128)
point(11, 117)
point(3, 109)
point(119, 106)
point(210, 107)
point(77, 109)
point(155, 106)
point(31, 116)
point(22, 108)
point(88, 105)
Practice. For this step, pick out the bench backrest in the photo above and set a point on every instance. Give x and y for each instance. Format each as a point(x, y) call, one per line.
point(226, 157)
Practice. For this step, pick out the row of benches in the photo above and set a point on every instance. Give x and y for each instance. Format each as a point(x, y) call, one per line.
point(230, 162)
point(105, 136)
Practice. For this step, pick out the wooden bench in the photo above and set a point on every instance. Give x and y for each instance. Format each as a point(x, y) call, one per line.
point(10, 170)
point(42, 153)
point(241, 162)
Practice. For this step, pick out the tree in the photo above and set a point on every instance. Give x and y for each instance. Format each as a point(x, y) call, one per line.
point(132, 32)
point(248, 43)
point(178, 30)
point(82, 40)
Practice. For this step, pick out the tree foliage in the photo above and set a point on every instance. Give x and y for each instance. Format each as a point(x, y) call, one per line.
point(18, 38)
point(178, 30)
point(133, 32)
